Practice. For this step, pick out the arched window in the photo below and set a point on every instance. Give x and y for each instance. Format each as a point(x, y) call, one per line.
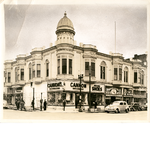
point(33, 70)
point(103, 70)
point(126, 74)
point(47, 68)
point(30, 67)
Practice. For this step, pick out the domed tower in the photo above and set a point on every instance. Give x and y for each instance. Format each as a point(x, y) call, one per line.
point(65, 31)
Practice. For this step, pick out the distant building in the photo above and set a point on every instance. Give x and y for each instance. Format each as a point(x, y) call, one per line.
point(54, 72)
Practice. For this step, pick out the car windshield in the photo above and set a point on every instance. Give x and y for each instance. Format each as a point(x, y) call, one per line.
point(115, 103)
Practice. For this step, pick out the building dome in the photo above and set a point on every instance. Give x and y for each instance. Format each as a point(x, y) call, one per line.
point(65, 24)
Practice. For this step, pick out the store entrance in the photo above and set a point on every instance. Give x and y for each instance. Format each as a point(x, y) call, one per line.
point(113, 98)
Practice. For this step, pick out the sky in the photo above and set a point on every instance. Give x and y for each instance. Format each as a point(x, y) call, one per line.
point(30, 26)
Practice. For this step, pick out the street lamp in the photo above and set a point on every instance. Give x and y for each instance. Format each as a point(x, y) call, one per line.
point(80, 77)
point(33, 95)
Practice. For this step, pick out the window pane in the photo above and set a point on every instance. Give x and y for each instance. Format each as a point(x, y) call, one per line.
point(115, 73)
point(64, 66)
point(92, 69)
point(86, 68)
point(38, 70)
point(101, 72)
point(29, 73)
point(58, 66)
point(135, 77)
point(9, 77)
point(22, 74)
point(70, 66)
point(120, 73)
point(33, 71)
point(47, 69)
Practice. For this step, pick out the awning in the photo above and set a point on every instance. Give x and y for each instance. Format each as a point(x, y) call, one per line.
point(128, 87)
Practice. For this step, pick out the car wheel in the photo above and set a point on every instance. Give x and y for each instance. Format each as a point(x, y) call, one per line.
point(117, 111)
point(126, 110)
point(107, 111)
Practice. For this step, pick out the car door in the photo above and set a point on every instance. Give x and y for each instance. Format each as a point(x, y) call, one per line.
point(121, 106)
point(124, 106)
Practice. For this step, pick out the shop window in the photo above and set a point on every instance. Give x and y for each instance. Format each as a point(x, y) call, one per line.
point(47, 68)
point(70, 66)
point(33, 71)
point(22, 74)
point(64, 66)
point(92, 69)
point(38, 70)
point(102, 70)
point(58, 66)
point(86, 68)
point(135, 77)
point(126, 74)
point(120, 73)
point(9, 78)
point(115, 73)
point(30, 71)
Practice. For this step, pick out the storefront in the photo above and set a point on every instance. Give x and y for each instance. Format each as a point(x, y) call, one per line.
point(113, 94)
point(128, 95)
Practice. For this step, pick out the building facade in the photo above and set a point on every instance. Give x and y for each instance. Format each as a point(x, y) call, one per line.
point(52, 73)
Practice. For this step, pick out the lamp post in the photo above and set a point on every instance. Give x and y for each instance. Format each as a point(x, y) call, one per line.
point(80, 77)
point(33, 95)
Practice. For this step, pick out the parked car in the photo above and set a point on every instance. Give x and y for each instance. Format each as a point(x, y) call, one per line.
point(5, 105)
point(144, 107)
point(117, 107)
point(135, 107)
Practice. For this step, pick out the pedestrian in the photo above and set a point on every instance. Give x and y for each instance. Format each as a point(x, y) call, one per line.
point(22, 103)
point(95, 104)
point(41, 104)
point(18, 104)
point(32, 104)
point(64, 104)
point(45, 104)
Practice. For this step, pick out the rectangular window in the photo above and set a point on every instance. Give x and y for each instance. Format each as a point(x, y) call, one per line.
point(29, 73)
point(38, 70)
point(33, 71)
point(115, 73)
point(9, 77)
point(135, 77)
point(47, 69)
point(142, 79)
point(86, 68)
point(22, 74)
point(64, 66)
point(70, 66)
point(58, 66)
point(92, 69)
point(120, 73)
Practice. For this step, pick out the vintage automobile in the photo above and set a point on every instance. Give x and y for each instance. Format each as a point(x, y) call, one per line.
point(135, 107)
point(5, 105)
point(117, 107)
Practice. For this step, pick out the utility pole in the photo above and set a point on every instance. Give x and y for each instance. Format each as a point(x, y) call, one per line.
point(33, 98)
point(80, 77)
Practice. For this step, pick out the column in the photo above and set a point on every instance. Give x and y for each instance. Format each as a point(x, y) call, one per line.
point(67, 65)
point(68, 96)
point(73, 98)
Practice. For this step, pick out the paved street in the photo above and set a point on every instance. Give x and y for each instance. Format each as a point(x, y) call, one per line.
point(134, 116)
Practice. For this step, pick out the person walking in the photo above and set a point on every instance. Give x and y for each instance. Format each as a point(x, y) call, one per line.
point(32, 104)
point(41, 104)
point(18, 104)
point(64, 104)
point(45, 104)
point(22, 103)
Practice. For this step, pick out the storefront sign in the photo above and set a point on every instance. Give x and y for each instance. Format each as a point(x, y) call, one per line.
point(113, 91)
point(58, 84)
point(127, 92)
point(97, 88)
point(74, 85)
point(18, 91)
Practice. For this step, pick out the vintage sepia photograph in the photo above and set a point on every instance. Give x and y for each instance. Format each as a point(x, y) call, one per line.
point(75, 62)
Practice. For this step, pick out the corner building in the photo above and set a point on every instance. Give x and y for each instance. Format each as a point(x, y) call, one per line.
point(54, 73)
